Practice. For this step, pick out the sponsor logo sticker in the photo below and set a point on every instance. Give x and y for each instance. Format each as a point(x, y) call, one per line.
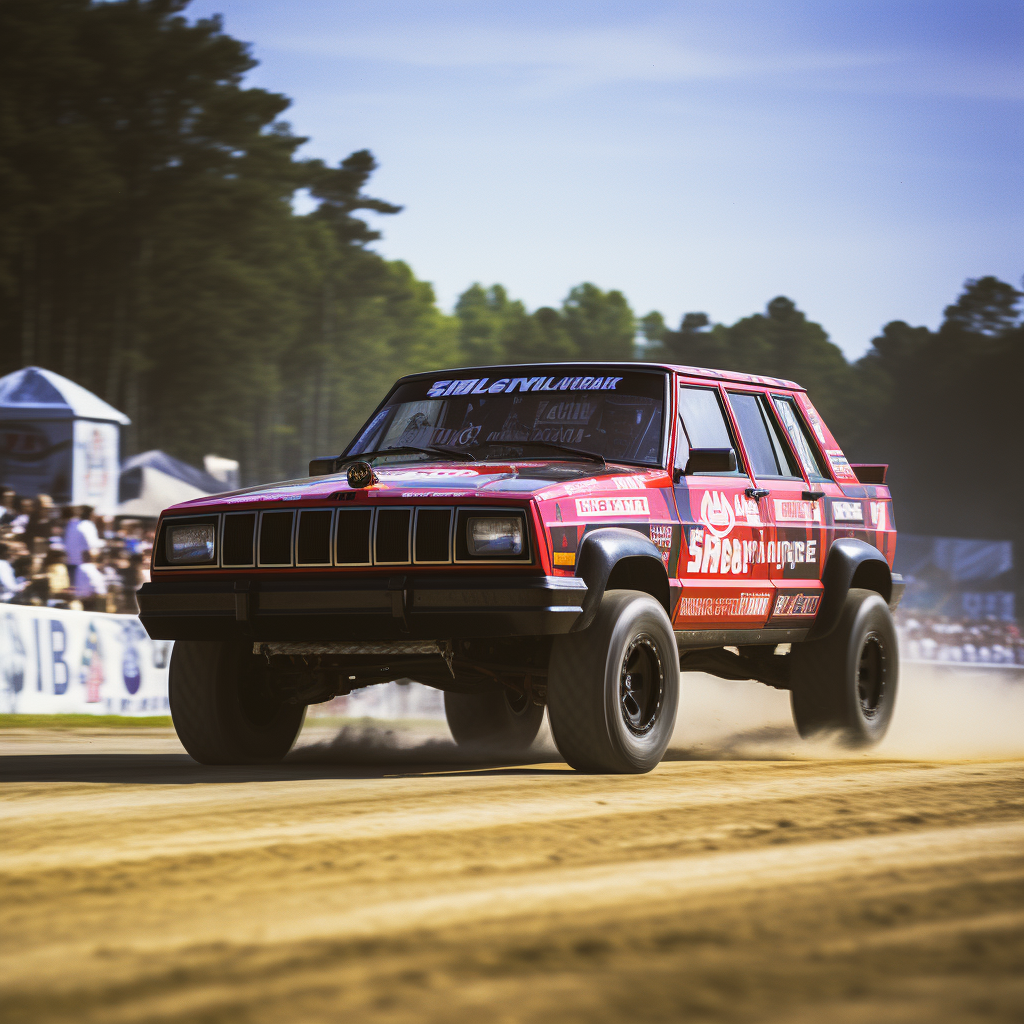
point(744, 606)
point(612, 507)
point(506, 385)
point(787, 511)
point(796, 604)
point(716, 513)
point(840, 466)
point(847, 511)
point(879, 515)
point(630, 483)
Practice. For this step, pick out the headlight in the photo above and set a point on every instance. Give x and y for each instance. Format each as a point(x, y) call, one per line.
point(495, 536)
point(192, 544)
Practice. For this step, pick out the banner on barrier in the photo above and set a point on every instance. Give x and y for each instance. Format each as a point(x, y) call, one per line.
point(55, 661)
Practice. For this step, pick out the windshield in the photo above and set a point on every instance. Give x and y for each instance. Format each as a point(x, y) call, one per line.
point(616, 415)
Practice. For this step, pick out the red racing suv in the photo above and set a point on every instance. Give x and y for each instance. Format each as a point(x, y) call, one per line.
point(570, 536)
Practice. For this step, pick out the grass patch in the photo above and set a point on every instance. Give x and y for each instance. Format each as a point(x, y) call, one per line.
point(85, 722)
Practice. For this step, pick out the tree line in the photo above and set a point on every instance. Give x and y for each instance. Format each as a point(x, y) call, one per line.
point(150, 251)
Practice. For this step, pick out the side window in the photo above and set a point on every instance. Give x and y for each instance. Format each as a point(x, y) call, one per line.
point(702, 424)
point(769, 456)
point(805, 449)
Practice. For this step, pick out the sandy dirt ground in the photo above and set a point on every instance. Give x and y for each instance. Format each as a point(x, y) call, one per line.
point(381, 875)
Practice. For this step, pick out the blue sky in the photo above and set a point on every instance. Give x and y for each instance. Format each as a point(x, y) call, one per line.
point(862, 158)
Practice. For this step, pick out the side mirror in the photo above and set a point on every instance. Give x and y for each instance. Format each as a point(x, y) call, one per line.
point(323, 466)
point(711, 460)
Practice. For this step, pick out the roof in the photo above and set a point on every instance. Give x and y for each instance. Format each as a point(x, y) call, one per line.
point(734, 377)
point(688, 371)
point(33, 393)
point(172, 467)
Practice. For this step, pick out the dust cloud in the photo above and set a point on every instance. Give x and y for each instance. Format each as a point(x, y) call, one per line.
point(941, 714)
point(382, 743)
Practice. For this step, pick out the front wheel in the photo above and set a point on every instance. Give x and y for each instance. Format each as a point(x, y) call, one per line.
point(223, 709)
point(503, 721)
point(845, 683)
point(613, 688)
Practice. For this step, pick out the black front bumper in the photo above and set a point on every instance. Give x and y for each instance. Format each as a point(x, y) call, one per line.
point(388, 608)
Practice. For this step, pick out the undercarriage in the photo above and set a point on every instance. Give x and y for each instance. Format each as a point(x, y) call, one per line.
point(302, 672)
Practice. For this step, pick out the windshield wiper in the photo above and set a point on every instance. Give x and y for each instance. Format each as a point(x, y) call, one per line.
point(577, 453)
point(409, 449)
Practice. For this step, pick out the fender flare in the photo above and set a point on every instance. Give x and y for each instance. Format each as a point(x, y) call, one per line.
point(847, 559)
point(601, 551)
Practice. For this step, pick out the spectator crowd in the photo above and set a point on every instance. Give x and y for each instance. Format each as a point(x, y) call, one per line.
point(67, 557)
point(944, 639)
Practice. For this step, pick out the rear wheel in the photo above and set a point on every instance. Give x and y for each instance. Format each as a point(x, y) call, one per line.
point(845, 683)
point(613, 689)
point(504, 721)
point(223, 709)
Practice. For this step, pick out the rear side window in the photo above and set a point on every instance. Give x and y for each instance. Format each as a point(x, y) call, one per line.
point(769, 456)
point(703, 425)
point(802, 443)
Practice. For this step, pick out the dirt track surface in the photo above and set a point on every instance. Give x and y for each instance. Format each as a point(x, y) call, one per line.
point(364, 881)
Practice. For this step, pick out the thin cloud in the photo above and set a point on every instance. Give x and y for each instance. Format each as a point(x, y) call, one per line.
point(575, 59)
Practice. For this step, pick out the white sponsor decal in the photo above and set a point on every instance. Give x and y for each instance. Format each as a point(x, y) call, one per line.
point(879, 516)
point(787, 511)
point(506, 385)
point(847, 511)
point(630, 483)
point(428, 474)
point(724, 607)
point(717, 513)
point(662, 537)
point(612, 507)
point(839, 464)
point(579, 487)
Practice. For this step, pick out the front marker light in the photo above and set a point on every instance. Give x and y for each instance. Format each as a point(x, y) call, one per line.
point(190, 545)
point(495, 536)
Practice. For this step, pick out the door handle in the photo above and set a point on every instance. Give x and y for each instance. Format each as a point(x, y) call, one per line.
point(812, 495)
point(757, 492)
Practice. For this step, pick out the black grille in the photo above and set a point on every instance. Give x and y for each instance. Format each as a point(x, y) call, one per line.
point(276, 538)
point(433, 528)
point(353, 536)
point(392, 535)
point(239, 531)
point(314, 537)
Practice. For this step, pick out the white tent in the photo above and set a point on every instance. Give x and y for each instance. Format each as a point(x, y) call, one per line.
point(151, 481)
point(57, 438)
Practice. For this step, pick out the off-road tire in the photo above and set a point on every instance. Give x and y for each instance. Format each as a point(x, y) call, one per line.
point(845, 683)
point(494, 720)
point(600, 721)
point(222, 709)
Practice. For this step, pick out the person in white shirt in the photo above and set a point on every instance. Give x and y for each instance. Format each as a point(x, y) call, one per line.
point(89, 578)
point(8, 581)
point(81, 536)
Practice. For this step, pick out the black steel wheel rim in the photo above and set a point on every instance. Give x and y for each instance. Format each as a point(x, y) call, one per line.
point(871, 676)
point(641, 684)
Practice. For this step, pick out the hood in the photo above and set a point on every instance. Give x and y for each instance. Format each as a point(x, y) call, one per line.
point(428, 479)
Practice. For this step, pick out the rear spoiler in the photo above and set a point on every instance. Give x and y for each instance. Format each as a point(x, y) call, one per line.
point(870, 472)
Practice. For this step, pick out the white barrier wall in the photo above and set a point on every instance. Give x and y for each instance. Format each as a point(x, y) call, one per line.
point(54, 662)
point(80, 663)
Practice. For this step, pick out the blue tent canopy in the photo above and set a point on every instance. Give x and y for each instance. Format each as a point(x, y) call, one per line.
point(36, 394)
